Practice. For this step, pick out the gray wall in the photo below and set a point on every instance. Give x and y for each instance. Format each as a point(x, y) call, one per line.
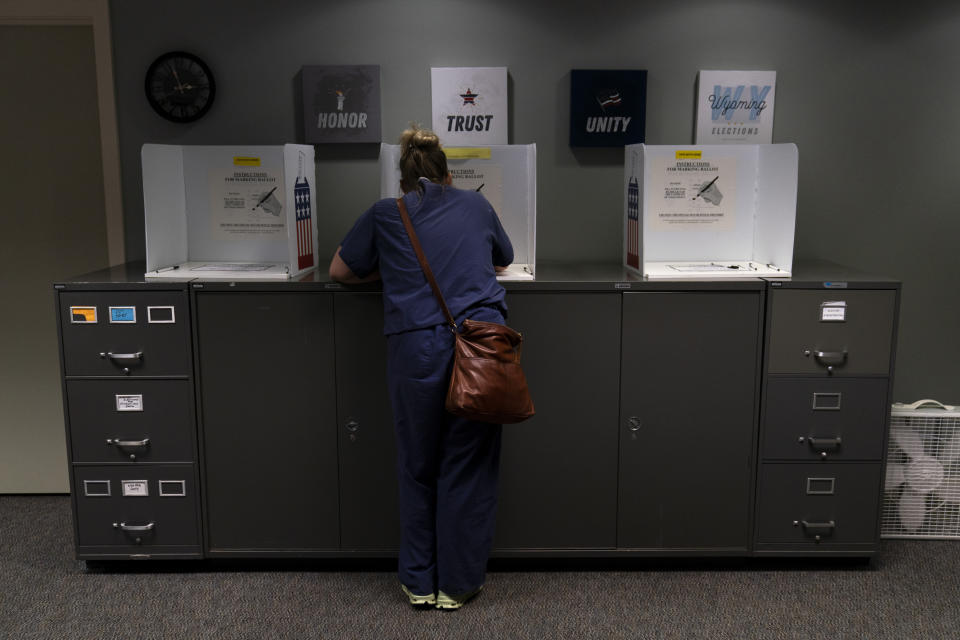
point(869, 96)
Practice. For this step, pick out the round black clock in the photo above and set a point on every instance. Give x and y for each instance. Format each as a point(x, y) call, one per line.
point(180, 86)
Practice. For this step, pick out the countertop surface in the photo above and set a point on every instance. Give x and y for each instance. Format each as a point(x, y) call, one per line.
point(551, 276)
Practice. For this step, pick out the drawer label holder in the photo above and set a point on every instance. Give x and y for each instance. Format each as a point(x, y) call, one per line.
point(96, 488)
point(173, 488)
point(129, 402)
point(835, 311)
point(821, 486)
point(161, 315)
point(83, 315)
point(123, 315)
point(135, 488)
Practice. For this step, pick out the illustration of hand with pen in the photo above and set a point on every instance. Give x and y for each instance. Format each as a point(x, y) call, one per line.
point(710, 193)
point(269, 203)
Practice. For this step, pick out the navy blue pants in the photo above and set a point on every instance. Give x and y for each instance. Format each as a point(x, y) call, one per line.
point(447, 467)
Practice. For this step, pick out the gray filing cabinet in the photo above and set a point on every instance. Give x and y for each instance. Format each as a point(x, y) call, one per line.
point(824, 415)
point(127, 366)
point(252, 419)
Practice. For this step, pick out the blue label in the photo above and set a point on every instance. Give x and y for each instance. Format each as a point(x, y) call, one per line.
point(123, 314)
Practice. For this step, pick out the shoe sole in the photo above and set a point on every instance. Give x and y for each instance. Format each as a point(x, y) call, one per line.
point(418, 601)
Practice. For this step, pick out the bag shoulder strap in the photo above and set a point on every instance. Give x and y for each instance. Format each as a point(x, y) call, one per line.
point(423, 262)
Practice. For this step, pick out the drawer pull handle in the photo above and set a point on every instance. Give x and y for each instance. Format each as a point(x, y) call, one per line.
point(117, 442)
point(123, 358)
point(134, 528)
point(824, 443)
point(818, 527)
point(828, 358)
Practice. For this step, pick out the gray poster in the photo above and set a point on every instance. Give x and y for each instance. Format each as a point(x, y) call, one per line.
point(341, 103)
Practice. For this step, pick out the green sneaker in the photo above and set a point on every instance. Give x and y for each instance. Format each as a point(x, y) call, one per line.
point(455, 602)
point(419, 601)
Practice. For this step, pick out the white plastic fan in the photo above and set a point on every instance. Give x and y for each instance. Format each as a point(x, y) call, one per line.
point(930, 476)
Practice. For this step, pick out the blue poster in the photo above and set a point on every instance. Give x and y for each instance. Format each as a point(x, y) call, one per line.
point(608, 108)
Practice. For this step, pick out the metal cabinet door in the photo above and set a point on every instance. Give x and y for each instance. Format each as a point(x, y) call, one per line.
point(369, 516)
point(268, 421)
point(558, 478)
point(689, 386)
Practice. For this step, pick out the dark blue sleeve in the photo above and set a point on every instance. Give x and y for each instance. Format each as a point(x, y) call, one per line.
point(359, 249)
point(502, 248)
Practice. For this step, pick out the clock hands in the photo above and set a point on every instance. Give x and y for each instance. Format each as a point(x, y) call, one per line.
point(179, 86)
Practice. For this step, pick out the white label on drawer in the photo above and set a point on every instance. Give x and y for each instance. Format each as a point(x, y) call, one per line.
point(833, 312)
point(135, 487)
point(130, 402)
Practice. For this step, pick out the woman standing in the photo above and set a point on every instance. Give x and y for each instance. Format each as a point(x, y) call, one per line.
point(447, 466)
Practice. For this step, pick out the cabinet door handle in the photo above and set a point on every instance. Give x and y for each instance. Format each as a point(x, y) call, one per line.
point(824, 443)
point(128, 443)
point(134, 528)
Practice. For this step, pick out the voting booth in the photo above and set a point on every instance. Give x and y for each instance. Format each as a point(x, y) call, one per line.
point(505, 174)
point(710, 211)
point(237, 212)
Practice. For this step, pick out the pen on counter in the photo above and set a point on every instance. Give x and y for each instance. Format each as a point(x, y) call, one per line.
point(168, 268)
point(264, 198)
point(709, 184)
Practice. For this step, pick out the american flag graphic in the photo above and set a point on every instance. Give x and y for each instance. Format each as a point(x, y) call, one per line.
point(609, 99)
point(301, 196)
point(633, 223)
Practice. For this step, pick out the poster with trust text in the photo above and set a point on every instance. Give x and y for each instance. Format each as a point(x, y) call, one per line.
point(469, 105)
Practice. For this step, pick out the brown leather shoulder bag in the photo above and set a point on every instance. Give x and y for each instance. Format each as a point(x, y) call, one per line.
point(486, 383)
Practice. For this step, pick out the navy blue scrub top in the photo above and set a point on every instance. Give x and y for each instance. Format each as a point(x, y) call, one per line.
point(462, 239)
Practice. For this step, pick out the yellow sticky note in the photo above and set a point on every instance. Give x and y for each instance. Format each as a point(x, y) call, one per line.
point(689, 155)
point(466, 153)
point(246, 161)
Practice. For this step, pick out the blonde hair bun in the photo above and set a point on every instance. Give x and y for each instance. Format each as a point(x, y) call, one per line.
point(418, 138)
point(421, 157)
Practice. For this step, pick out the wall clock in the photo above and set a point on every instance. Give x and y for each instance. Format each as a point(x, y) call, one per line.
point(180, 86)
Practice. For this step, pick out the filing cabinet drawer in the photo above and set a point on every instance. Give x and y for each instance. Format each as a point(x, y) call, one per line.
point(848, 330)
point(131, 420)
point(818, 504)
point(824, 418)
point(137, 508)
point(146, 333)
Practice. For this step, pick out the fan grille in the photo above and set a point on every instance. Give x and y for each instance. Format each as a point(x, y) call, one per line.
point(918, 501)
